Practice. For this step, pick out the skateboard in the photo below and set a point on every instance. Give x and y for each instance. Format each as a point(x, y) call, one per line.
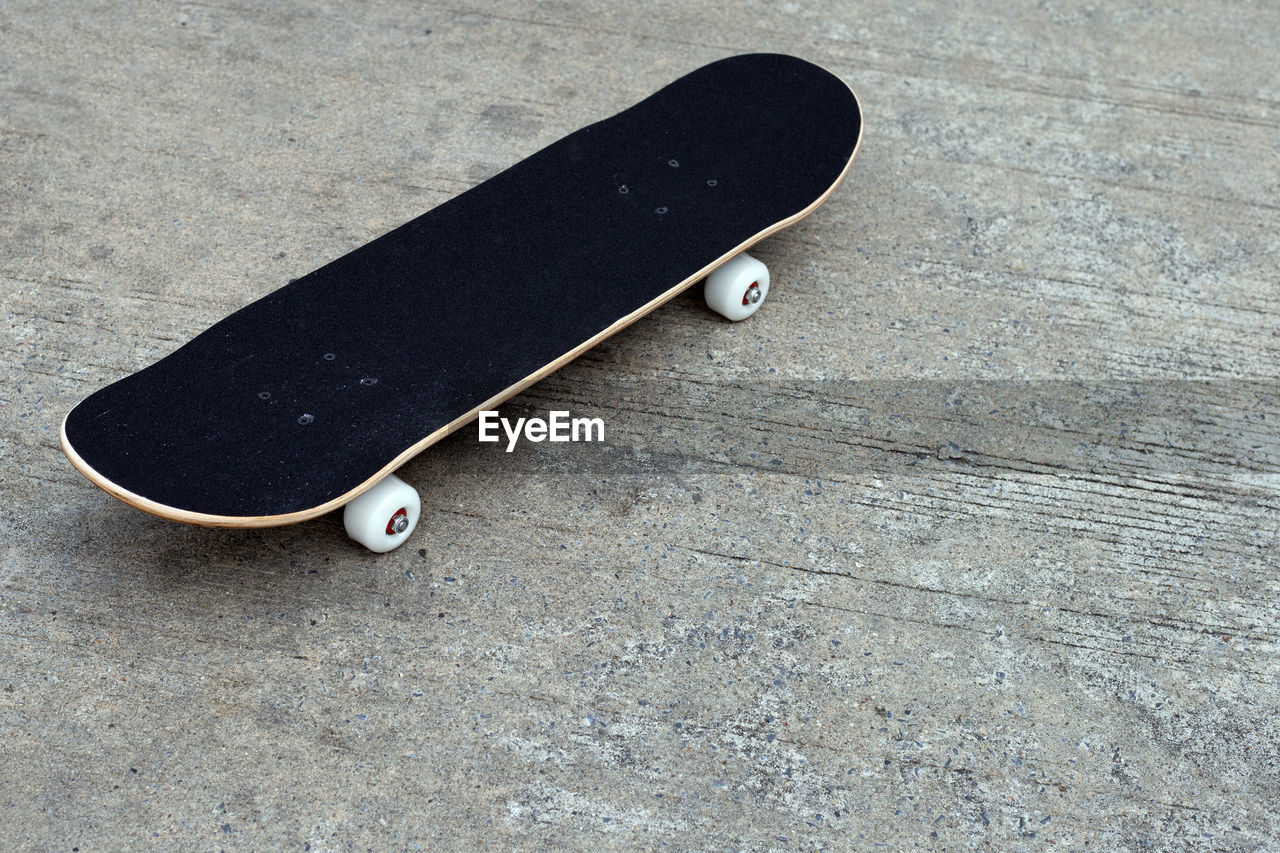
point(307, 400)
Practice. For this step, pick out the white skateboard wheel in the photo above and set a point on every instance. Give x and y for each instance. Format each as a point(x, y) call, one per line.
point(738, 288)
point(383, 517)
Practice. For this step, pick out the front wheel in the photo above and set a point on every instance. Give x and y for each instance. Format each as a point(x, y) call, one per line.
point(382, 518)
point(737, 289)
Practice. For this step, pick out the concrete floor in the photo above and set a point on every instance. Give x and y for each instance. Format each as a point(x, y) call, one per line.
point(968, 539)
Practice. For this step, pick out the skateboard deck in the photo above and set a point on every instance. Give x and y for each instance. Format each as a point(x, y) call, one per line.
point(297, 403)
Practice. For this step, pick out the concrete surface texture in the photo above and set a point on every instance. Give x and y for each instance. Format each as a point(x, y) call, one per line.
point(968, 539)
